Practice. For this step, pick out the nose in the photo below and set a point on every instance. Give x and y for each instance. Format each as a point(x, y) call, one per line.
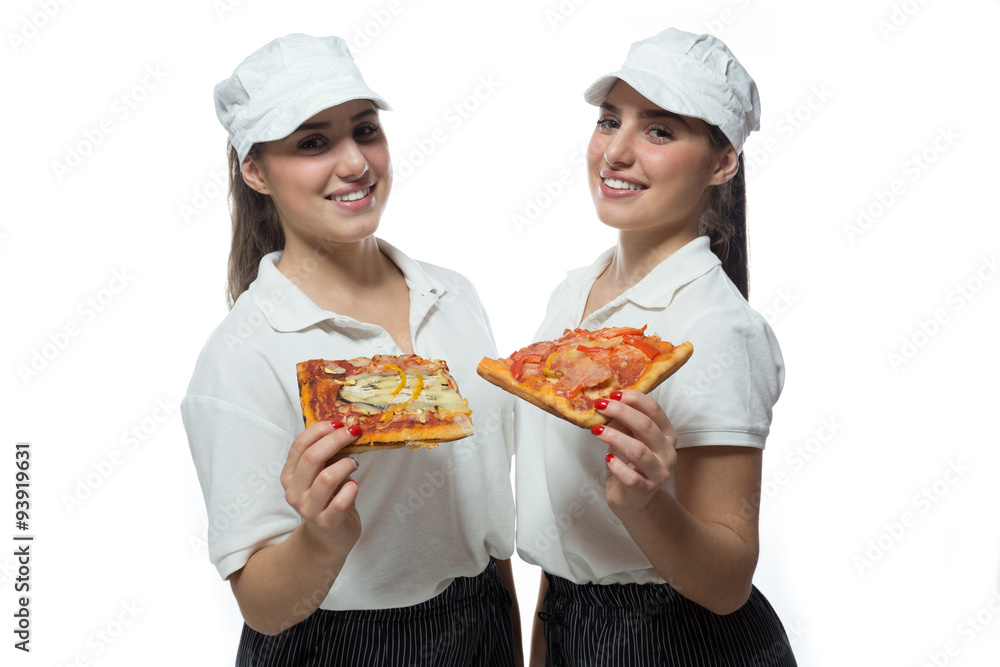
point(618, 151)
point(351, 162)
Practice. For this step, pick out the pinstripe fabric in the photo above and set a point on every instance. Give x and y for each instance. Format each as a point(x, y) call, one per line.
point(466, 625)
point(632, 625)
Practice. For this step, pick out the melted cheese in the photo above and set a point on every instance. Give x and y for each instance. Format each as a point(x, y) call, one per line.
point(378, 390)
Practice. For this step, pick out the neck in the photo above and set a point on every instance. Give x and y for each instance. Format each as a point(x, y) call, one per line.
point(334, 275)
point(639, 252)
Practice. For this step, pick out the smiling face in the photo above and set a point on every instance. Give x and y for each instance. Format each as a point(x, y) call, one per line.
point(652, 170)
point(329, 179)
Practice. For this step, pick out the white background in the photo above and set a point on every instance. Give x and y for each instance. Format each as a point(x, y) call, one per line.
point(881, 502)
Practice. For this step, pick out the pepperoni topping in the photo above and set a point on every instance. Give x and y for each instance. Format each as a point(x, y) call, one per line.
point(582, 360)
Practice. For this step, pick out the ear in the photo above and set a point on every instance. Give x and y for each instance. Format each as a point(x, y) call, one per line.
point(725, 165)
point(254, 176)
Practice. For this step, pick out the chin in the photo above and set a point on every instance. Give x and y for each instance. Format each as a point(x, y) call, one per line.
point(615, 218)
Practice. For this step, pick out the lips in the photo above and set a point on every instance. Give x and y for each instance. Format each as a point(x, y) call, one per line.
point(353, 197)
point(618, 186)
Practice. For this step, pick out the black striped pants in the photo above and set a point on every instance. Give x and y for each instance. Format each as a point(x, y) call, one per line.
point(632, 625)
point(468, 624)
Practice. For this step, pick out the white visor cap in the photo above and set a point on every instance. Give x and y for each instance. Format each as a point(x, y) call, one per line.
point(284, 83)
point(690, 75)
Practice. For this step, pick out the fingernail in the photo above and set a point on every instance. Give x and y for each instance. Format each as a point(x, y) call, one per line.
point(616, 396)
point(597, 429)
point(356, 462)
point(609, 457)
point(353, 480)
point(601, 403)
point(337, 424)
point(354, 429)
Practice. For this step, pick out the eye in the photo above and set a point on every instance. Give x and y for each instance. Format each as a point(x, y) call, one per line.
point(661, 134)
point(312, 144)
point(607, 124)
point(366, 132)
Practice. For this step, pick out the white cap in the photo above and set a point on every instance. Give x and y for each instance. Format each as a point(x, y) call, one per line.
point(284, 83)
point(690, 75)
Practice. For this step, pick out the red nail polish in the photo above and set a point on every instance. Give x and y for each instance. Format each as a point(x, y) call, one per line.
point(337, 424)
point(353, 480)
point(597, 429)
point(601, 403)
point(609, 457)
point(616, 396)
point(354, 429)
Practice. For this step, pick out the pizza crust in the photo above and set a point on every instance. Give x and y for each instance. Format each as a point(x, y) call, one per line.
point(459, 426)
point(544, 396)
point(497, 372)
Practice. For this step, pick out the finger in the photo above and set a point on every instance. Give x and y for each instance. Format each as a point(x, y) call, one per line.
point(628, 451)
point(316, 457)
point(302, 442)
point(625, 474)
point(642, 403)
point(327, 484)
point(652, 429)
point(344, 499)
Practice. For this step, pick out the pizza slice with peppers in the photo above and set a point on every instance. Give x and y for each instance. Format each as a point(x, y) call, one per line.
point(565, 376)
point(397, 401)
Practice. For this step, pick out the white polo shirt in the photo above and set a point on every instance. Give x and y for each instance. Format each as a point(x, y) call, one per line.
point(427, 516)
point(723, 395)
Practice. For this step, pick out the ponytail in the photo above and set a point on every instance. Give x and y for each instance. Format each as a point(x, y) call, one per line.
point(256, 228)
point(724, 221)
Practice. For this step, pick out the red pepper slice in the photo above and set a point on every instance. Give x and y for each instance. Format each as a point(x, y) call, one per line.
point(592, 350)
point(649, 350)
point(516, 365)
point(631, 331)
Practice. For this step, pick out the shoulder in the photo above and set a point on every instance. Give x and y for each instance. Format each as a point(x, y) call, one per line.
point(713, 303)
point(239, 341)
point(729, 337)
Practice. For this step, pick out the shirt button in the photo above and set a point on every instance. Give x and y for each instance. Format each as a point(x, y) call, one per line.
point(378, 343)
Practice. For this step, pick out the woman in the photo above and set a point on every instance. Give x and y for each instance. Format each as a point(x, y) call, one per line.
point(648, 539)
point(387, 558)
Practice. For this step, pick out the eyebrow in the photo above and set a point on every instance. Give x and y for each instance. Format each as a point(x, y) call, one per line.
point(649, 113)
point(325, 125)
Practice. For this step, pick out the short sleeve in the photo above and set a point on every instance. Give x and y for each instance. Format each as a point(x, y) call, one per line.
point(725, 393)
point(238, 456)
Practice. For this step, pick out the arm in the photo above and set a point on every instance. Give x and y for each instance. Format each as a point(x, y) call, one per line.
point(704, 542)
point(538, 648)
point(283, 584)
point(507, 574)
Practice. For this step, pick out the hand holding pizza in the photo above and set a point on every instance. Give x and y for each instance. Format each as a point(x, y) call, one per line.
point(641, 444)
point(318, 486)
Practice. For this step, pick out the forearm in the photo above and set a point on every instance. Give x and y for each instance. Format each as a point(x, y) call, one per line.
point(707, 562)
point(284, 584)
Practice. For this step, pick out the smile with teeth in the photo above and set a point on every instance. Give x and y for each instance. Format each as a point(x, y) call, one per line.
point(351, 196)
point(616, 184)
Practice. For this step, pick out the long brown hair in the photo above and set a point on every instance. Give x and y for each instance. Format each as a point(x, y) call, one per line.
point(256, 228)
point(724, 221)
